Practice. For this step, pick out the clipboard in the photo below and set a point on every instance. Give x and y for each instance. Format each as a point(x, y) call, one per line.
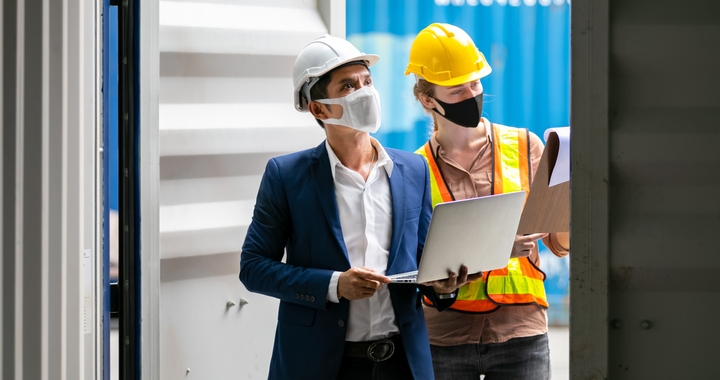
point(547, 208)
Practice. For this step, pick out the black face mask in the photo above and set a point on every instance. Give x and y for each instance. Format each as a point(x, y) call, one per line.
point(465, 113)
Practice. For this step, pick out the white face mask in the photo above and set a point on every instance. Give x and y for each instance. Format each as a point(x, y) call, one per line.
point(361, 110)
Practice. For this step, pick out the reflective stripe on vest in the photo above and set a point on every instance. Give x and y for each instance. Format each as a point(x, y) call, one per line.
point(521, 282)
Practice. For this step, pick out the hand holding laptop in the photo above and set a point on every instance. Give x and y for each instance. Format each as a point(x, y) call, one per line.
point(454, 281)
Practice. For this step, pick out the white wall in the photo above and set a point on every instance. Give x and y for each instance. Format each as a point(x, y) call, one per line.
point(225, 109)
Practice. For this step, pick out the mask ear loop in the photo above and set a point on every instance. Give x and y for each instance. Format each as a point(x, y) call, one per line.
point(418, 78)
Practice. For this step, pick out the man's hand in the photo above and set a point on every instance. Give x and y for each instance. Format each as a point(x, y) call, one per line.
point(359, 283)
point(454, 281)
point(524, 244)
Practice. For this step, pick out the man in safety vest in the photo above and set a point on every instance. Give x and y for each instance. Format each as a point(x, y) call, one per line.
point(498, 324)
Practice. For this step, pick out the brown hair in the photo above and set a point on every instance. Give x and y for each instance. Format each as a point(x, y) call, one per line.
point(423, 87)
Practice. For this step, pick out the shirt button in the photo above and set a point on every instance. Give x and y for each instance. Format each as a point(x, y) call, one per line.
point(341, 323)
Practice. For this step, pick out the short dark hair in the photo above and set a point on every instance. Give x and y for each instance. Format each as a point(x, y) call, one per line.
point(319, 90)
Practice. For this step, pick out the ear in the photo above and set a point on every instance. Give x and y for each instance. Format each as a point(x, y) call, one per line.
point(427, 101)
point(318, 110)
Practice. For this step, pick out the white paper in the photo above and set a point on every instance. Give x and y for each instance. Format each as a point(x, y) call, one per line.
point(561, 170)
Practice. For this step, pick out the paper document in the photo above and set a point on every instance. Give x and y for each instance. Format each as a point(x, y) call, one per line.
point(561, 170)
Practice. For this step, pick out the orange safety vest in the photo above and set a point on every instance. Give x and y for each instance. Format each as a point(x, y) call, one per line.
point(520, 282)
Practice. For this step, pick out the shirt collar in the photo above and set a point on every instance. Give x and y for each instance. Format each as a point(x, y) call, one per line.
point(383, 158)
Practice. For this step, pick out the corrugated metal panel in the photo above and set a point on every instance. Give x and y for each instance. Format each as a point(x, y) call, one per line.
point(49, 168)
point(225, 109)
point(664, 213)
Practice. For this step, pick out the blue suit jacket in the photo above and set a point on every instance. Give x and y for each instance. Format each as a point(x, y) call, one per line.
point(296, 210)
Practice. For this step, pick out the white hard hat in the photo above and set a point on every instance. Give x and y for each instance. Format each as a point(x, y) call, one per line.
point(319, 57)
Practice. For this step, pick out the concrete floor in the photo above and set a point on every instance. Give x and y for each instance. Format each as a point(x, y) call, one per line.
point(559, 353)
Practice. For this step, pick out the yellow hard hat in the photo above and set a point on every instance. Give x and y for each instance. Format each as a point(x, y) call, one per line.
point(445, 55)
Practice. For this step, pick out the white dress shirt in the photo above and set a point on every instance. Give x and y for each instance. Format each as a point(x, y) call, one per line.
point(365, 210)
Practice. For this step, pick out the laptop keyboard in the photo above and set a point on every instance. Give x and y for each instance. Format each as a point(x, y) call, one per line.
point(408, 275)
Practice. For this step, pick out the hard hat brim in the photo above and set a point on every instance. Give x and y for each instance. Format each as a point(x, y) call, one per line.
point(469, 77)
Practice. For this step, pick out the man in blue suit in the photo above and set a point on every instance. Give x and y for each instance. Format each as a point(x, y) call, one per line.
point(347, 213)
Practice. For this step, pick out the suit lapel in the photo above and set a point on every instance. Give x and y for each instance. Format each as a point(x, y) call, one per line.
point(397, 191)
point(325, 186)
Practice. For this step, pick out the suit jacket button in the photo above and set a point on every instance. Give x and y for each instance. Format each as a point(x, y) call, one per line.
point(307, 297)
point(341, 323)
point(297, 295)
point(312, 298)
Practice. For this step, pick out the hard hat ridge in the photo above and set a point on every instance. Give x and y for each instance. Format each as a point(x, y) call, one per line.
point(320, 57)
point(445, 55)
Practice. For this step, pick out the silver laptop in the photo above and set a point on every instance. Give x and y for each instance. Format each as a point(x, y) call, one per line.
point(478, 233)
